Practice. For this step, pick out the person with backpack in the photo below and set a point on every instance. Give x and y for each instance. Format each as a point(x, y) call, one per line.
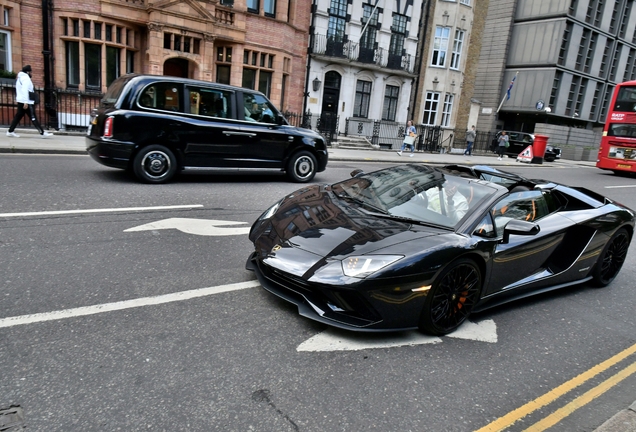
point(25, 98)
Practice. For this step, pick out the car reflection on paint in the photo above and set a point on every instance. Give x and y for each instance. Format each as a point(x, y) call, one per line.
point(414, 246)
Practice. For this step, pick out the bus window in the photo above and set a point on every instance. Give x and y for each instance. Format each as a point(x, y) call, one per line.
point(617, 151)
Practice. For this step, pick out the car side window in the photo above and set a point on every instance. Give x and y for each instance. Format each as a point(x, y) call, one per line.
point(161, 96)
point(485, 227)
point(209, 102)
point(526, 205)
point(258, 109)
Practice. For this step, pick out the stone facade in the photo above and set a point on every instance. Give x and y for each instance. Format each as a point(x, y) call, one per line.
point(94, 41)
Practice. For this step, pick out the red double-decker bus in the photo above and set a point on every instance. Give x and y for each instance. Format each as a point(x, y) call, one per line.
point(618, 144)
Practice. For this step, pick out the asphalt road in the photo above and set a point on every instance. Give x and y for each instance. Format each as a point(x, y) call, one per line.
point(231, 358)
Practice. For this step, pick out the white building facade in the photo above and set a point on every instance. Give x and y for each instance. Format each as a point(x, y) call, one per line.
point(362, 61)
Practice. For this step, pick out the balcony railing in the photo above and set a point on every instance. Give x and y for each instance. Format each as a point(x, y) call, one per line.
point(353, 51)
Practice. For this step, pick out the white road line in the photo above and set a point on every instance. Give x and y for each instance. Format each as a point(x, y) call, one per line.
point(618, 187)
point(106, 210)
point(121, 305)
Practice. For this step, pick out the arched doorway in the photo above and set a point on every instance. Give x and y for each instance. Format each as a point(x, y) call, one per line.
point(177, 67)
point(330, 101)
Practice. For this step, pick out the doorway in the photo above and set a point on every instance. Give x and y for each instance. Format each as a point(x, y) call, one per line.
point(330, 102)
point(176, 67)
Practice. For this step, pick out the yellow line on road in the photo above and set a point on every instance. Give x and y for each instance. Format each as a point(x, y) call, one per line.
point(582, 400)
point(509, 419)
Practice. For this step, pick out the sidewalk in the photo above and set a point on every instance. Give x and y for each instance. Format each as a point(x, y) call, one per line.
point(73, 143)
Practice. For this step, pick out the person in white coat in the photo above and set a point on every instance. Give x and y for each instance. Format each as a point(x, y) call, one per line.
point(24, 85)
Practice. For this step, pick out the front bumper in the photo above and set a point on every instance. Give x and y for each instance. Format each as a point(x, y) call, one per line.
point(323, 303)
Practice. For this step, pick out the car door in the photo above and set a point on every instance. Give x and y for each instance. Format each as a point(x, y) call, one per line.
point(520, 262)
point(265, 144)
point(212, 129)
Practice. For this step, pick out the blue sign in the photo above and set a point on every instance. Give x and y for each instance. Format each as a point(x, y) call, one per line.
point(540, 105)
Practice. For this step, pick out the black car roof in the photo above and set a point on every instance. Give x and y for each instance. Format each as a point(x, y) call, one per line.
point(145, 78)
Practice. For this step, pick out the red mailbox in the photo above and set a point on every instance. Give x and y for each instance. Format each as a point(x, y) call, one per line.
point(538, 148)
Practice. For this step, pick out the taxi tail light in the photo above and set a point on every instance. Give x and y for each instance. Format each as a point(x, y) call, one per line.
point(108, 127)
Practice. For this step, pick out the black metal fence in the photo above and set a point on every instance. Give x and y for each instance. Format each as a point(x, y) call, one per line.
point(59, 109)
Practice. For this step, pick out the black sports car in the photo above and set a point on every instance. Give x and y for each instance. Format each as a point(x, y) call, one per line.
point(418, 246)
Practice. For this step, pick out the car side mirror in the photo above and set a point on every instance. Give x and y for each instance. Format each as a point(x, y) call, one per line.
point(280, 119)
point(519, 227)
point(357, 173)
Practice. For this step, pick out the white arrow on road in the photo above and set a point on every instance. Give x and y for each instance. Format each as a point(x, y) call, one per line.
point(340, 340)
point(202, 227)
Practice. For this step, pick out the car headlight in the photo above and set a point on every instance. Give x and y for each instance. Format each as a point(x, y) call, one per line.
point(363, 266)
point(271, 211)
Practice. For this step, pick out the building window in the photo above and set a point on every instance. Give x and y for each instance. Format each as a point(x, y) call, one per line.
point(5, 17)
point(465, 2)
point(253, 6)
point(5, 51)
point(249, 78)
point(440, 46)
point(389, 108)
point(398, 33)
point(264, 82)
point(367, 41)
point(93, 66)
point(447, 109)
point(252, 76)
point(556, 86)
point(458, 43)
point(223, 74)
point(363, 97)
point(606, 100)
point(72, 64)
point(565, 44)
point(112, 64)
point(430, 108)
point(181, 43)
point(606, 53)
point(270, 8)
point(102, 63)
point(615, 60)
point(594, 107)
point(337, 20)
point(130, 61)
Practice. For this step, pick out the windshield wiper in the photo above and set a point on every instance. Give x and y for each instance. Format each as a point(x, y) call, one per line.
point(345, 195)
point(388, 215)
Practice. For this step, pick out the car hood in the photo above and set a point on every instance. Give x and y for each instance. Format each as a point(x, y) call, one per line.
point(312, 225)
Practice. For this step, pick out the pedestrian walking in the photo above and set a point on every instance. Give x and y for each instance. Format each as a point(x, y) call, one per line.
point(410, 134)
point(470, 139)
point(25, 98)
point(502, 144)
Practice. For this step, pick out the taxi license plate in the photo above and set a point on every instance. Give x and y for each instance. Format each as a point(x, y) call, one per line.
point(624, 166)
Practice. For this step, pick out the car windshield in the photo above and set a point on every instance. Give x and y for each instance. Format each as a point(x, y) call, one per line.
point(417, 192)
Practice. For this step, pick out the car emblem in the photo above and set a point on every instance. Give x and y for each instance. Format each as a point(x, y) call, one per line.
point(276, 248)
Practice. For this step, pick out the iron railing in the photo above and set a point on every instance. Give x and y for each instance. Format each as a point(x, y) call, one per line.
point(349, 50)
point(60, 109)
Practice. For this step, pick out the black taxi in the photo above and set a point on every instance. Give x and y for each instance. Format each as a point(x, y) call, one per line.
point(156, 126)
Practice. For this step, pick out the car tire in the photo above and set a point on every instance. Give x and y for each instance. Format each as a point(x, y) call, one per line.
point(549, 159)
point(451, 298)
point(611, 259)
point(155, 164)
point(301, 168)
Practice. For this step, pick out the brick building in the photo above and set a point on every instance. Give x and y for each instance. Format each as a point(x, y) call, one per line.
point(80, 47)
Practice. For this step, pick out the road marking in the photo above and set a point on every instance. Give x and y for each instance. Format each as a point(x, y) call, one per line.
point(202, 227)
point(582, 400)
point(106, 210)
point(509, 419)
point(621, 186)
point(121, 305)
point(340, 340)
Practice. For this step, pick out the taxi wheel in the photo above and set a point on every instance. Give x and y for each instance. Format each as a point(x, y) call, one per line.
point(155, 164)
point(301, 168)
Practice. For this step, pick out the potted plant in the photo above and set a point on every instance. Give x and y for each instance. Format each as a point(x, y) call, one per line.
point(7, 77)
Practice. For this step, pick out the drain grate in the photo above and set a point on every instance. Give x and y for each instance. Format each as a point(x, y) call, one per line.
point(11, 419)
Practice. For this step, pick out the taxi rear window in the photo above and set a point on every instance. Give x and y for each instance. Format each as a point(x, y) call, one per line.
point(114, 91)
